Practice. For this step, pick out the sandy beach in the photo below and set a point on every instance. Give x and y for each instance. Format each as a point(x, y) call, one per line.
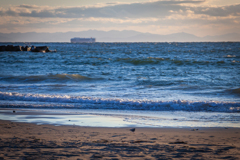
point(31, 141)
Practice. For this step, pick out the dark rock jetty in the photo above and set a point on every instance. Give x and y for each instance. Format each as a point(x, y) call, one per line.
point(25, 48)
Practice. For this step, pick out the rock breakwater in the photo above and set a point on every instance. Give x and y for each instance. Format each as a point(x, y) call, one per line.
point(25, 48)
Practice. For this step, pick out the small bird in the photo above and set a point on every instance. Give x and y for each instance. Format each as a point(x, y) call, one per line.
point(133, 129)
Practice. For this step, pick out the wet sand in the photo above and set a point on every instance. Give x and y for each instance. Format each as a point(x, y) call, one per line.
point(31, 141)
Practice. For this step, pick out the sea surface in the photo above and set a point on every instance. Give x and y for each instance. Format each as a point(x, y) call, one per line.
point(196, 81)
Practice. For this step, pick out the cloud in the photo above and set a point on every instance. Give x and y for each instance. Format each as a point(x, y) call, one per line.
point(151, 16)
point(219, 11)
point(28, 6)
point(40, 14)
point(155, 9)
point(132, 10)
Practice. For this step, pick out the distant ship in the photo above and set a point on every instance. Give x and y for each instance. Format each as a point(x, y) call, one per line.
point(83, 40)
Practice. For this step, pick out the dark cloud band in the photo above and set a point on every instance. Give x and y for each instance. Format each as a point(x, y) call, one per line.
point(121, 11)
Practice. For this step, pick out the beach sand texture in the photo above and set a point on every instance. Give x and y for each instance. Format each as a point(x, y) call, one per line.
point(31, 141)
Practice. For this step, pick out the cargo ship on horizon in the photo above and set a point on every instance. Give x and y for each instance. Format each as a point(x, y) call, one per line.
point(83, 40)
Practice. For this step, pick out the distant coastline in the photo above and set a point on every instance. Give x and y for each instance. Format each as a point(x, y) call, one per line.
point(115, 36)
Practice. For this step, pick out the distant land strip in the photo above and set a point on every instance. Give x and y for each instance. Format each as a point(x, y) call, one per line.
point(115, 36)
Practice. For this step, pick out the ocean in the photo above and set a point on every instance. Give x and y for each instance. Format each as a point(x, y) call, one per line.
point(152, 84)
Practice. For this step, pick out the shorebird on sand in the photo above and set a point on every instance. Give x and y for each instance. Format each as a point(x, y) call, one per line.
point(133, 129)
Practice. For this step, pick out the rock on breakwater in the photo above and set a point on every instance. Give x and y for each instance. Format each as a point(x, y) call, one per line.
point(25, 48)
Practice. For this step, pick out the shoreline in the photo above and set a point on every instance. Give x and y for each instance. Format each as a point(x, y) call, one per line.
point(122, 118)
point(28, 140)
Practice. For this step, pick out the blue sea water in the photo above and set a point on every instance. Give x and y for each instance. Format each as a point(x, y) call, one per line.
point(185, 77)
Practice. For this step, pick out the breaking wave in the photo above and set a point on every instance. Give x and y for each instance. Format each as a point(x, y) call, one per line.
point(81, 102)
point(47, 78)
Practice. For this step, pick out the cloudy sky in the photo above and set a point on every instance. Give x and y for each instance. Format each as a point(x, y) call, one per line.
point(198, 17)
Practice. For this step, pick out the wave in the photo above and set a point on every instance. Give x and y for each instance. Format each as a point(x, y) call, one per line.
point(47, 78)
point(156, 60)
point(147, 82)
point(235, 91)
point(81, 102)
point(143, 61)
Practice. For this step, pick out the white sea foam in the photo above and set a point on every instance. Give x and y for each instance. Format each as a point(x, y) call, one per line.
point(229, 56)
point(84, 102)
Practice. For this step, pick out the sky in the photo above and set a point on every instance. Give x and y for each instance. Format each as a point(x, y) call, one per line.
point(198, 17)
